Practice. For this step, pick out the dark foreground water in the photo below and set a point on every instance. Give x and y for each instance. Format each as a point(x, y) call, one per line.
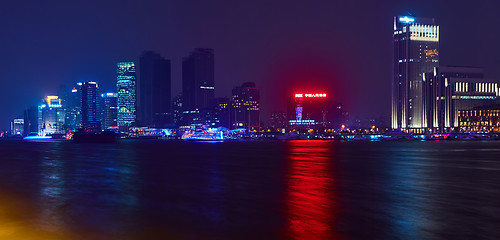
point(250, 190)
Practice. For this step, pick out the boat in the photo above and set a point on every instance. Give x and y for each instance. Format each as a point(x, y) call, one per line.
point(209, 134)
point(35, 137)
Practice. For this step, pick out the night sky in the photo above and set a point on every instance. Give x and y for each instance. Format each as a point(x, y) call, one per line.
point(341, 47)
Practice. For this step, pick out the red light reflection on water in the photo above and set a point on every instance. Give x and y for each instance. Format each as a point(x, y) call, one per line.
point(311, 197)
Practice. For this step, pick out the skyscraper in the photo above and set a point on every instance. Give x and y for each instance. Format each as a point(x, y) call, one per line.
point(416, 51)
point(74, 108)
point(109, 110)
point(198, 83)
point(154, 89)
point(90, 107)
point(126, 88)
point(245, 107)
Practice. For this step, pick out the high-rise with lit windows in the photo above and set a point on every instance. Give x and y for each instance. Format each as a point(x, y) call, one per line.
point(416, 51)
point(245, 107)
point(126, 90)
point(90, 107)
point(448, 90)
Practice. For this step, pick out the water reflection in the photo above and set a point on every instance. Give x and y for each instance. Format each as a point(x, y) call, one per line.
point(52, 188)
point(311, 196)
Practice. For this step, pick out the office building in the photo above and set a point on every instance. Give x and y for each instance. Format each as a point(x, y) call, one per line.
point(51, 116)
point(221, 112)
point(416, 51)
point(17, 126)
point(154, 87)
point(109, 111)
point(73, 108)
point(198, 84)
point(126, 89)
point(245, 107)
point(448, 90)
point(90, 107)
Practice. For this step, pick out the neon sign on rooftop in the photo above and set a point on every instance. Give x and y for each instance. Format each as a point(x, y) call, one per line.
point(310, 95)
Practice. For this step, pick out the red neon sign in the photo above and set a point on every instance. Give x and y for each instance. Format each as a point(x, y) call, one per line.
point(310, 95)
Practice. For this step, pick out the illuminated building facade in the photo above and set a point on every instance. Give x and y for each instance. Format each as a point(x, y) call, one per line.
point(51, 116)
point(154, 87)
point(313, 111)
point(245, 107)
point(126, 89)
point(482, 119)
point(448, 90)
point(198, 84)
point(109, 111)
point(90, 107)
point(416, 51)
point(17, 126)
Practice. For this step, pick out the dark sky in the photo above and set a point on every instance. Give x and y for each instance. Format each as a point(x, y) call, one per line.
point(341, 47)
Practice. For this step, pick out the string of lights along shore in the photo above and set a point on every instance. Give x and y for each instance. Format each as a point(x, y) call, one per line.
point(427, 97)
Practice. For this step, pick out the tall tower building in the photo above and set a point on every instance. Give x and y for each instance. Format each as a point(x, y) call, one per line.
point(90, 107)
point(198, 83)
point(126, 88)
point(154, 87)
point(416, 51)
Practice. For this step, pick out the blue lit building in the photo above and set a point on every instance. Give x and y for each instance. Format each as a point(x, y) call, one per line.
point(90, 107)
point(74, 108)
point(109, 111)
point(17, 126)
point(416, 51)
point(126, 90)
point(51, 116)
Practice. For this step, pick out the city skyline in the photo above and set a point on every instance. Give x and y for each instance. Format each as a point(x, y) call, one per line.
point(323, 63)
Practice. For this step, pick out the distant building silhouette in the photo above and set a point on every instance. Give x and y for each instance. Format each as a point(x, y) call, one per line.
point(126, 89)
point(31, 119)
point(90, 107)
point(154, 89)
point(198, 84)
